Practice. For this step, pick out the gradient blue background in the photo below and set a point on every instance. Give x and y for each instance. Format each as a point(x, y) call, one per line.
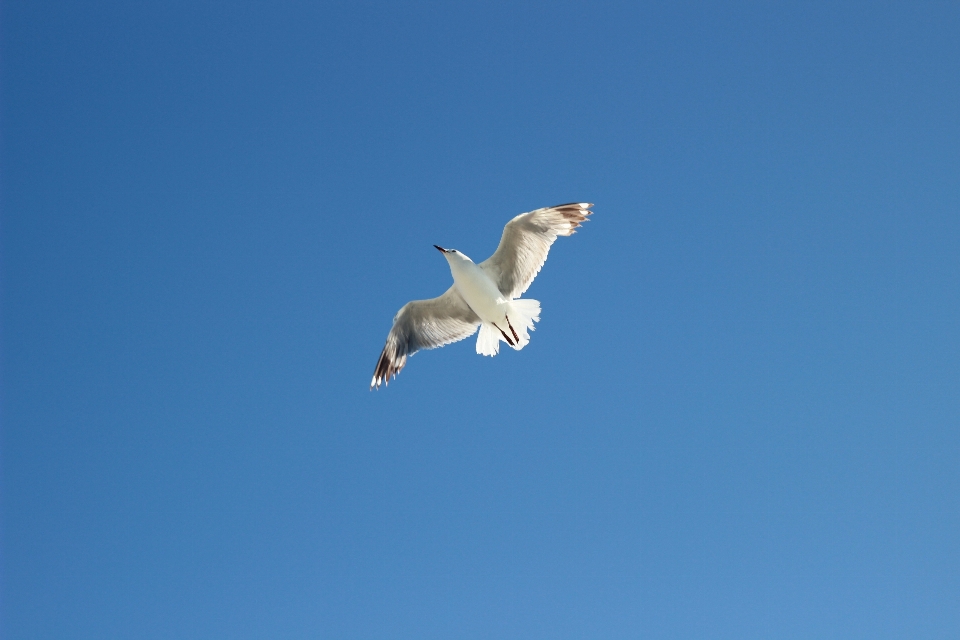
point(738, 418)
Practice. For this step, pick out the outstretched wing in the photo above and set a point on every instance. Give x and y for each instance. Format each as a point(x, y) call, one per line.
point(424, 324)
point(526, 242)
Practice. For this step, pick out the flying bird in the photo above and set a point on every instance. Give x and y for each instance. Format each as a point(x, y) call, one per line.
point(485, 295)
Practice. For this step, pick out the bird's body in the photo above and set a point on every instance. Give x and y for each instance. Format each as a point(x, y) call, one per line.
point(476, 288)
point(484, 295)
point(498, 316)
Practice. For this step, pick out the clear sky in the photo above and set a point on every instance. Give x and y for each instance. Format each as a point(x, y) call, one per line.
point(738, 418)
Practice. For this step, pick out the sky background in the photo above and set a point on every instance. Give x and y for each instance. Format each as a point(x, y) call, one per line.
point(738, 418)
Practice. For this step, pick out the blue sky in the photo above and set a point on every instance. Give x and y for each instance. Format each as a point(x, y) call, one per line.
point(738, 418)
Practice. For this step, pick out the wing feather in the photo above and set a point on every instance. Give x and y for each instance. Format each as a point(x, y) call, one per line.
point(424, 324)
point(526, 242)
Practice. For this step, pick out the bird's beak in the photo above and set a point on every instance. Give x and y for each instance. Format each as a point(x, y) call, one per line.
point(440, 249)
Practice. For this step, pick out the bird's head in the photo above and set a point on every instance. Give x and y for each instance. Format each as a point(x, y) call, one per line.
point(452, 255)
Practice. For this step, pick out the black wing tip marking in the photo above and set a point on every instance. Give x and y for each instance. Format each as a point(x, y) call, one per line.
point(574, 213)
point(387, 369)
point(582, 206)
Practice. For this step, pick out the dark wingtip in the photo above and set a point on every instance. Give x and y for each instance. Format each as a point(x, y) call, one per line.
point(387, 368)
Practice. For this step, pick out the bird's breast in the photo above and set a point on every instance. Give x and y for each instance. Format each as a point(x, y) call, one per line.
point(479, 291)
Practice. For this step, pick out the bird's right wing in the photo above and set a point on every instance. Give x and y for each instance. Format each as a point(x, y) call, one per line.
point(526, 242)
point(424, 324)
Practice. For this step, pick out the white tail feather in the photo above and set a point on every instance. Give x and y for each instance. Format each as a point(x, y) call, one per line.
point(522, 314)
point(488, 340)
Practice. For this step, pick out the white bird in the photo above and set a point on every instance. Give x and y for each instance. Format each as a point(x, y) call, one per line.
point(484, 295)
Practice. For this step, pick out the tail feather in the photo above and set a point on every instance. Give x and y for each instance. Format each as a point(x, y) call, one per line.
point(522, 313)
point(488, 340)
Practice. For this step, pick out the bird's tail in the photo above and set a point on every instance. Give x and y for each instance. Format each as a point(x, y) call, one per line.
point(488, 340)
point(521, 314)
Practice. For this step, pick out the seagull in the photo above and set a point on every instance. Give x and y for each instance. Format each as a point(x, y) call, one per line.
point(485, 295)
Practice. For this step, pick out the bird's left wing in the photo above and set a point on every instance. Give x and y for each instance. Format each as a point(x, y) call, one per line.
point(526, 242)
point(424, 324)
